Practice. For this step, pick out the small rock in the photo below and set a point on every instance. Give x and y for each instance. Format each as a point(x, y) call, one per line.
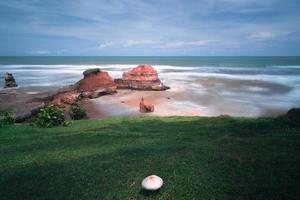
point(146, 106)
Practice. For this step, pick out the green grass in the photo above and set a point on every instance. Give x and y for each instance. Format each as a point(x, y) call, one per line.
point(198, 158)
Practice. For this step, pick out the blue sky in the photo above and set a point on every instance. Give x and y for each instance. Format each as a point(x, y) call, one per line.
point(149, 27)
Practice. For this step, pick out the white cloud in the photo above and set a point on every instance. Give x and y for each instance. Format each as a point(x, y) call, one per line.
point(267, 35)
point(263, 35)
point(107, 44)
point(187, 44)
point(47, 52)
point(157, 44)
point(140, 42)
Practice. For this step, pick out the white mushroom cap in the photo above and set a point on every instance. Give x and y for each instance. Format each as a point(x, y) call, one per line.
point(152, 183)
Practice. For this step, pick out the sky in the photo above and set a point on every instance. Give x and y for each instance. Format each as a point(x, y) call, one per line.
point(150, 27)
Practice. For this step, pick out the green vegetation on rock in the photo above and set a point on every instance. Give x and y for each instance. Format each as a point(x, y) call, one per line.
point(197, 157)
point(91, 71)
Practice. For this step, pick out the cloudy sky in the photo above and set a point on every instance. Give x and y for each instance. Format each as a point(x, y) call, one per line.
point(150, 27)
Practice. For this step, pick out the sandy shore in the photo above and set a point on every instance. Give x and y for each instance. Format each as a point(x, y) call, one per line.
point(198, 97)
point(126, 102)
point(195, 97)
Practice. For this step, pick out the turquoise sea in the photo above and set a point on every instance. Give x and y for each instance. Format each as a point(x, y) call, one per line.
point(247, 86)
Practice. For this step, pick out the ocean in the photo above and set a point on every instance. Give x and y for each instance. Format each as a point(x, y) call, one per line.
point(240, 86)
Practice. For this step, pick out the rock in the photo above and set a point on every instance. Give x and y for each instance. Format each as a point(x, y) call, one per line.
point(96, 80)
point(30, 109)
point(99, 92)
point(142, 77)
point(146, 106)
point(65, 98)
point(9, 81)
point(141, 73)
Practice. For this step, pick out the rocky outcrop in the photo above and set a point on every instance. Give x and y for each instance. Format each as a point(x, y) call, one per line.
point(95, 83)
point(97, 80)
point(146, 106)
point(142, 77)
point(65, 99)
point(9, 81)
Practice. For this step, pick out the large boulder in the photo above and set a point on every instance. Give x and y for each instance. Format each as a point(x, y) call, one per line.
point(9, 81)
point(142, 77)
point(146, 106)
point(95, 82)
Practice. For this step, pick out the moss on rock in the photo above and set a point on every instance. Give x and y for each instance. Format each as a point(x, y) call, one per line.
point(91, 71)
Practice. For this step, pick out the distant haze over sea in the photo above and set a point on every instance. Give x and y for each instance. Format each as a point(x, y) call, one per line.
point(246, 86)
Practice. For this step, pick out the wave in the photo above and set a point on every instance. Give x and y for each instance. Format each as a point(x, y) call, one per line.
point(61, 74)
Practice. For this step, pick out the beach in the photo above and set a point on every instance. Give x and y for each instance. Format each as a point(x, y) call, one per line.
point(250, 87)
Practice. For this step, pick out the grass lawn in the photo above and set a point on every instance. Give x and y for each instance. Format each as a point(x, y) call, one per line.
point(197, 157)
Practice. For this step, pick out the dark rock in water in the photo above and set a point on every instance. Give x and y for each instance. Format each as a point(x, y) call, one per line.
point(146, 106)
point(9, 81)
point(142, 77)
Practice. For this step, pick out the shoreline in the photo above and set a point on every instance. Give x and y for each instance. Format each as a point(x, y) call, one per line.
point(126, 103)
point(173, 102)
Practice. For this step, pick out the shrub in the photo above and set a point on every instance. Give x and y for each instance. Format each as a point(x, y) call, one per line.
point(77, 113)
point(291, 119)
point(91, 71)
point(7, 118)
point(49, 116)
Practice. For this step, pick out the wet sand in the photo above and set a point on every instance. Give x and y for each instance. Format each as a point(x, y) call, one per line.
point(197, 97)
point(126, 103)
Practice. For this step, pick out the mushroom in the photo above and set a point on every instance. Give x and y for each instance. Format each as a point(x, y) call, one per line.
point(152, 183)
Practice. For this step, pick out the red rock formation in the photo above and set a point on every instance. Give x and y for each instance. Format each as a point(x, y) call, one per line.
point(141, 73)
point(146, 106)
point(96, 81)
point(142, 77)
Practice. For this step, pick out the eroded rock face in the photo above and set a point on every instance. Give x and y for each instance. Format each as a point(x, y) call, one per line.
point(96, 81)
point(146, 106)
point(9, 81)
point(66, 98)
point(141, 73)
point(142, 77)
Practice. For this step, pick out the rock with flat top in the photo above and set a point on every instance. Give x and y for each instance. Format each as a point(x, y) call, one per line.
point(96, 80)
point(142, 77)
